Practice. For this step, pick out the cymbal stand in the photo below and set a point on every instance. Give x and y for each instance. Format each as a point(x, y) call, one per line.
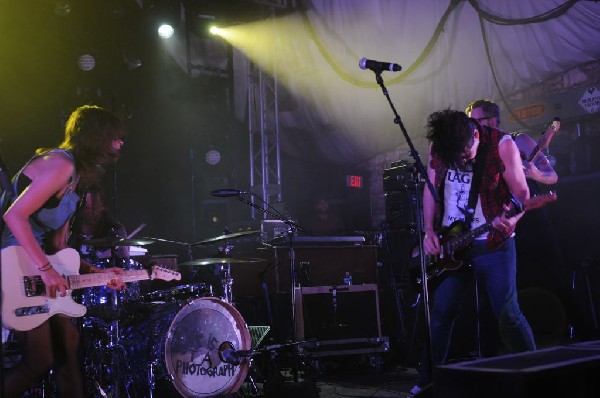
point(227, 282)
point(118, 360)
point(225, 271)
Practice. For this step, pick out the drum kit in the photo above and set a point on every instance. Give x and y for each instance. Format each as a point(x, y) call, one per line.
point(166, 342)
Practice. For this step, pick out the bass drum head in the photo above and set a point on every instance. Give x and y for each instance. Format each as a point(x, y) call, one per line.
point(192, 348)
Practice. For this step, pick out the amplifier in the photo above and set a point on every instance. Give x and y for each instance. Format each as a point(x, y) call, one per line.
point(337, 312)
point(402, 191)
point(324, 265)
point(400, 177)
point(401, 209)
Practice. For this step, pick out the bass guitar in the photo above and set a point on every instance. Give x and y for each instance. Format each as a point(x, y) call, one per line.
point(25, 304)
point(456, 238)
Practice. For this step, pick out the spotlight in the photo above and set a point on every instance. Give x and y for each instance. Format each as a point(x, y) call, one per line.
point(165, 31)
point(164, 16)
point(215, 30)
point(205, 24)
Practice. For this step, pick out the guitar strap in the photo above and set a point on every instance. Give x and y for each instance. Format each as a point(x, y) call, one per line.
point(477, 178)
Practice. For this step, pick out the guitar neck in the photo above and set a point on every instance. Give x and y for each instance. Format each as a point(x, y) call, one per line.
point(465, 239)
point(534, 153)
point(102, 278)
point(544, 140)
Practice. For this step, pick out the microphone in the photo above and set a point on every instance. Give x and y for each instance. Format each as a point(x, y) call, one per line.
point(228, 192)
point(377, 66)
point(228, 354)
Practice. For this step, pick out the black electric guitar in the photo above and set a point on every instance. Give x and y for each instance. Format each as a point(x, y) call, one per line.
point(25, 304)
point(456, 238)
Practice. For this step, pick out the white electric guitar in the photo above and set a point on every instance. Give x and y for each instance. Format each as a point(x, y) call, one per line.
point(25, 304)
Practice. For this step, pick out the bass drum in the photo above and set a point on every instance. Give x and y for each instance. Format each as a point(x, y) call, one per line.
point(178, 347)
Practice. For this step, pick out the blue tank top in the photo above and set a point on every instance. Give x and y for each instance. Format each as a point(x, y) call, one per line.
point(45, 219)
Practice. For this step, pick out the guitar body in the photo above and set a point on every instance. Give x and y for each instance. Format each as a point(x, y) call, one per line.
point(24, 301)
point(450, 257)
point(457, 237)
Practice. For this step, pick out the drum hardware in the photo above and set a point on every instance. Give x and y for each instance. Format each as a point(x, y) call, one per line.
point(106, 361)
point(117, 362)
point(117, 355)
point(221, 260)
point(178, 293)
point(292, 229)
point(225, 237)
point(111, 242)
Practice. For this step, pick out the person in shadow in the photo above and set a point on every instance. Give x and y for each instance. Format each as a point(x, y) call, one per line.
point(324, 220)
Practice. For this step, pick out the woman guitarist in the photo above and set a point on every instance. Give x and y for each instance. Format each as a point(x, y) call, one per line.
point(38, 221)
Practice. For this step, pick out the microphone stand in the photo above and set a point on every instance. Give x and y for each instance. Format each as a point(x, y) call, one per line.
point(291, 232)
point(421, 170)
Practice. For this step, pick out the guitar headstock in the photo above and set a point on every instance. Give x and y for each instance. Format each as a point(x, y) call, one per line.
point(164, 274)
point(547, 135)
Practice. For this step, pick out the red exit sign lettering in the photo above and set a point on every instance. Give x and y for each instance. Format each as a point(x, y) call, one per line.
point(354, 181)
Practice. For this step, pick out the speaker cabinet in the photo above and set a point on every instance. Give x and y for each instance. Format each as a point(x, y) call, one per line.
point(325, 265)
point(337, 312)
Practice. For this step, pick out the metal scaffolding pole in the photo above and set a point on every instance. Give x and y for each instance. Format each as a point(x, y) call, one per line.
point(263, 125)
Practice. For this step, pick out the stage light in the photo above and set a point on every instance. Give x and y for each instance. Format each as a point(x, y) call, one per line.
point(164, 16)
point(165, 31)
point(204, 25)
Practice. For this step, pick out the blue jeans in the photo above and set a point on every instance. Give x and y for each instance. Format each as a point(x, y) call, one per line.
point(496, 272)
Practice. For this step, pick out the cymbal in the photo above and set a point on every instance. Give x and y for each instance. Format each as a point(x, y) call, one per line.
point(221, 260)
point(225, 237)
point(114, 242)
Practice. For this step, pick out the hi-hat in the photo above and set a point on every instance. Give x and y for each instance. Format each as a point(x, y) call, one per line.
point(225, 237)
point(114, 242)
point(221, 260)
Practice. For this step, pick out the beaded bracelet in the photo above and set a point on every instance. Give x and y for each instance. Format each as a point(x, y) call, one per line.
point(45, 267)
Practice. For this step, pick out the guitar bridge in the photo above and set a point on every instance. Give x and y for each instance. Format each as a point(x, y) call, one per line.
point(33, 286)
point(37, 309)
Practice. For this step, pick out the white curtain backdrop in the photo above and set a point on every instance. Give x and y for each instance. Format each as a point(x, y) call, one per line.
point(449, 51)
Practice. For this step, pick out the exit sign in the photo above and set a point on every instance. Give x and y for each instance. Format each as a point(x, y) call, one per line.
point(354, 181)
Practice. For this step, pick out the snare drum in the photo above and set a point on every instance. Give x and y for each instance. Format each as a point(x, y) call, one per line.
point(177, 347)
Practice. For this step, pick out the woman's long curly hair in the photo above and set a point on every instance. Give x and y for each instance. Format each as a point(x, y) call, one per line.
point(89, 135)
